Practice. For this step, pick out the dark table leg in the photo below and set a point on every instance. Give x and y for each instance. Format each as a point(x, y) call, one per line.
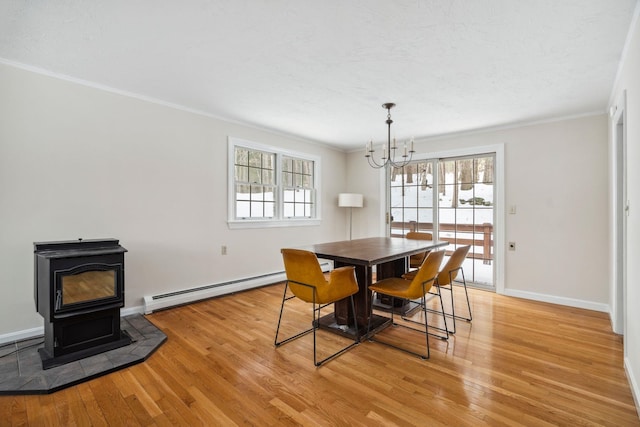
point(362, 300)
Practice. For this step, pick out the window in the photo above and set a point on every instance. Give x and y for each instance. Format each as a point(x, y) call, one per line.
point(297, 184)
point(271, 187)
point(255, 183)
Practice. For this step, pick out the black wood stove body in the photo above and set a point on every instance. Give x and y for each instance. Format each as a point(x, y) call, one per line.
point(79, 290)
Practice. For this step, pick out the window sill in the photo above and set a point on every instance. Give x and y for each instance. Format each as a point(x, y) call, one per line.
point(240, 224)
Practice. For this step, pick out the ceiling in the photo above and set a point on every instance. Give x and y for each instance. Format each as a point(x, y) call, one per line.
point(321, 69)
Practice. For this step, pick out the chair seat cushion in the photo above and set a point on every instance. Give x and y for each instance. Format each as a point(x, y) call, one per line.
point(395, 287)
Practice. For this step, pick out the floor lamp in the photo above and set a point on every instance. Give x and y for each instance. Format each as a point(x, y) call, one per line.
point(350, 200)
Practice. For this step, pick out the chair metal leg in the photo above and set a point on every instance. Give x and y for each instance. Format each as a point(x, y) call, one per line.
point(426, 330)
point(423, 303)
point(464, 283)
point(453, 314)
point(315, 324)
point(453, 306)
point(466, 294)
point(279, 343)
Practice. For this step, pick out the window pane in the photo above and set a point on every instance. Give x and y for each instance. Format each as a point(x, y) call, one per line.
point(257, 210)
point(425, 216)
point(397, 214)
point(268, 161)
point(447, 169)
point(483, 216)
point(425, 197)
point(242, 192)
point(307, 168)
point(255, 159)
point(269, 194)
point(465, 171)
point(411, 196)
point(288, 210)
point(243, 209)
point(447, 195)
point(242, 173)
point(485, 168)
point(447, 215)
point(269, 209)
point(256, 194)
point(255, 176)
point(289, 195)
point(268, 177)
point(287, 179)
point(242, 156)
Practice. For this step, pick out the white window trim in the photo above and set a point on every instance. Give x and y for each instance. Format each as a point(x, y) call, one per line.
point(278, 221)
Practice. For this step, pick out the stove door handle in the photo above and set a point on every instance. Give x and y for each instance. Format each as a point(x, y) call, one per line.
point(58, 299)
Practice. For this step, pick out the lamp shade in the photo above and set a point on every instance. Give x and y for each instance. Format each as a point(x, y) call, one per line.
point(350, 200)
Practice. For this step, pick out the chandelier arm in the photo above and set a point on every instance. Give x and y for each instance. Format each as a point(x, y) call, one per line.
point(373, 163)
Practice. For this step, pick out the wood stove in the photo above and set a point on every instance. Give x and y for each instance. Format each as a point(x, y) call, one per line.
point(79, 290)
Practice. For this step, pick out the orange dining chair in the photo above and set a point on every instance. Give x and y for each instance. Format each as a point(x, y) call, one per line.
point(416, 288)
point(307, 282)
point(415, 261)
point(446, 278)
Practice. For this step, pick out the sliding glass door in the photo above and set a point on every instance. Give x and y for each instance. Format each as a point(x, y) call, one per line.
point(452, 198)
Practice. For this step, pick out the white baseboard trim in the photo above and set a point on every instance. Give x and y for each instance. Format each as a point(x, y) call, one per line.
point(571, 302)
point(128, 311)
point(25, 334)
point(633, 382)
point(185, 296)
point(189, 295)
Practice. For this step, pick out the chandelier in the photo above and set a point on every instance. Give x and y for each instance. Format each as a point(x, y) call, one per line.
point(389, 152)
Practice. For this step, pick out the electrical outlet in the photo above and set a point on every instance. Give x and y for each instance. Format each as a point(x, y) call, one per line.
point(512, 246)
point(223, 250)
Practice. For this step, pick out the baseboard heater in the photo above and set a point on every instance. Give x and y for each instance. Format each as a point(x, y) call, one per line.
point(170, 299)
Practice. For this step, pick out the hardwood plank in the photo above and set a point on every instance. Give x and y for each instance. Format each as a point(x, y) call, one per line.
point(90, 404)
point(13, 411)
point(518, 363)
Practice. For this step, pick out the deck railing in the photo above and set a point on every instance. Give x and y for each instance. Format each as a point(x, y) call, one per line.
point(479, 236)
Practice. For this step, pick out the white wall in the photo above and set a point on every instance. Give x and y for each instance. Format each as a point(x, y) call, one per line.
point(629, 81)
point(81, 162)
point(557, 176)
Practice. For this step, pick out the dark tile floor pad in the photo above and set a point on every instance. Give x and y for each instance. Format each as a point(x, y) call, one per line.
point(21, 368)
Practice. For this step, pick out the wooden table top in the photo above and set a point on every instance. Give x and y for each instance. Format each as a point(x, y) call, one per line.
point(373, 250)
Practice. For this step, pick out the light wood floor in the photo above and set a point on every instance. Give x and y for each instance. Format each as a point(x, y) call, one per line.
point(519, 363)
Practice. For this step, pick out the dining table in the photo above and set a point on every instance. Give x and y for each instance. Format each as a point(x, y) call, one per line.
point(388, 255)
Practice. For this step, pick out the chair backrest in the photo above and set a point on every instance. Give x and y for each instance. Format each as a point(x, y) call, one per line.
point(419, 235)
point(453, 265)
point(426, 274)
point(417, 259)
point(302, 267)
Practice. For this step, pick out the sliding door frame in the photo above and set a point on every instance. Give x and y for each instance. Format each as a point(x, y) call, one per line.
point(499, 207)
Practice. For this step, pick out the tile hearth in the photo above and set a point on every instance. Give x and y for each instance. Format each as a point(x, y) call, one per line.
point(21, 367)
